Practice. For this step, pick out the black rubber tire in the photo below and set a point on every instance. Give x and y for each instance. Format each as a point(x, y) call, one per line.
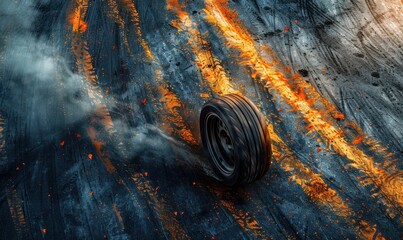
point(235, 136)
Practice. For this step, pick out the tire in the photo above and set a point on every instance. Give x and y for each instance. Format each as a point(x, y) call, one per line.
point(235, 136)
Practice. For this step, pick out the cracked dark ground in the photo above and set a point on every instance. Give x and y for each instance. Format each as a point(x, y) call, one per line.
point(99, 111)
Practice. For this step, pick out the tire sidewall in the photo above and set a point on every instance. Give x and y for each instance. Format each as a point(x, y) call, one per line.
point(217, 107)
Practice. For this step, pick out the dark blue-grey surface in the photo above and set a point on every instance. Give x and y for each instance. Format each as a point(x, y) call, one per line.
point(53, 190)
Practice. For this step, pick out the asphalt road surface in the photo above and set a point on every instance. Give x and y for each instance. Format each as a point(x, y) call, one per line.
point(100, 103)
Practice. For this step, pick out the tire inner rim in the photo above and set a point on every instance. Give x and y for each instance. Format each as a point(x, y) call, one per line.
point(220, 144)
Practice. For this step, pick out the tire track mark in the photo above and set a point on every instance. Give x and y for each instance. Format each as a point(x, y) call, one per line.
point(113, 13)
point(143, 186)
point(209, 65)
point(16, 211)
point(312, 184)
point(171, 104)
point(310, 89)
point(218, 80)
point(247, 220)
point(379, 19)
point(317, 190)
point(84, 62)
point(84, 65)
point(239, 39)
point(101, 116)
point(129, 4)
point(118, 215)
point(160, 206)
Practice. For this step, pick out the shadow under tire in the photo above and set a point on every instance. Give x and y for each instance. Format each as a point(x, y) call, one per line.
point(235, 136)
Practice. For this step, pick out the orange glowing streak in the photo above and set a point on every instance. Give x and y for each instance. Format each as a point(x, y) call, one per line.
point(210, 67)
point(137, 27)
point(160, 206)
point(172, 104)
point(312, 183)
point(238, 38)
point(331, 110)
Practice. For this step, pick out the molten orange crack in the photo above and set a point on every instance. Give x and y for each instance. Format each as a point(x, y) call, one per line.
point(238, 38)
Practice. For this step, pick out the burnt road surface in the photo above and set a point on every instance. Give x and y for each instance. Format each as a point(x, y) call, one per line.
point(99, 109)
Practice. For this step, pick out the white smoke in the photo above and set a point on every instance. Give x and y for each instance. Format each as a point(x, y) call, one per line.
point(33, 68)
point(35, 80)
point(36, 73)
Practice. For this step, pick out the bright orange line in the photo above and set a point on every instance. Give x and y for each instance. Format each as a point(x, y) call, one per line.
point(238, 38)
point(137, 27)
point(171, 105)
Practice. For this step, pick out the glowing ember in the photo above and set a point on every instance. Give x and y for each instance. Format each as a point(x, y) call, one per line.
point(77, 19)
